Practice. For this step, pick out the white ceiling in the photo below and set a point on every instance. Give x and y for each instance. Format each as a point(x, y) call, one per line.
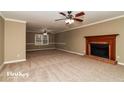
point(46, 19)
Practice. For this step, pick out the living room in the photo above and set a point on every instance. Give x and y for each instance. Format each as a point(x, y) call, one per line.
point(61, 46)
point(95, 40)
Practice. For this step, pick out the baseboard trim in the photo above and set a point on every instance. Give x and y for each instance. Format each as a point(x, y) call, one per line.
point(81, 54)
point(14, 61)
point(121, 63)
point(40, 49)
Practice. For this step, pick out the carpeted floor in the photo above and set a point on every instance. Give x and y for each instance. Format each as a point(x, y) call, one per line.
point(59, 66)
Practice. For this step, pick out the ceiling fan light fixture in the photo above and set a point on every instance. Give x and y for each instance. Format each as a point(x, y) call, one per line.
point(45, 33)
point(69, 21)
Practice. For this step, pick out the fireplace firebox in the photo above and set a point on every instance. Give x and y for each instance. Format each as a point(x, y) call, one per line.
point(101, 50)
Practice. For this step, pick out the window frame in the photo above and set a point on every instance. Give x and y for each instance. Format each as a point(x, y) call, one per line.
point(40, 38)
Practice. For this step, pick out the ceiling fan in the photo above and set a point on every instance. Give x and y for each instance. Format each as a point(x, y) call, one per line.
point(69, 18)
point(46, 31)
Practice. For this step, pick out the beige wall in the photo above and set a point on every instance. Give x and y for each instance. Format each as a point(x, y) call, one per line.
point(75, 40)
point(1, 40)
point(15, 41)
point(30, 42)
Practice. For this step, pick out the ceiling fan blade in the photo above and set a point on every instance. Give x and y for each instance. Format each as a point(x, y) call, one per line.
point(62, 13)
point(79, 14)
point(60, 19)
point(76, 19)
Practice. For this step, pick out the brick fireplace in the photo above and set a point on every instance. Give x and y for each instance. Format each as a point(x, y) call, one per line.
point(102, 46)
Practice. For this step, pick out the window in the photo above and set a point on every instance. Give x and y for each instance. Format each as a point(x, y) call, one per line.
point(45, 39)
point(38, 39)
point(41, 39)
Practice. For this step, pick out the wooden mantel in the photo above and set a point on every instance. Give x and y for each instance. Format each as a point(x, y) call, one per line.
point(109, 39)
point(111, 35)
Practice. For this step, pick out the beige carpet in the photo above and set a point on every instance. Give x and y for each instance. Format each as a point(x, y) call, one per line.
point(55, 65)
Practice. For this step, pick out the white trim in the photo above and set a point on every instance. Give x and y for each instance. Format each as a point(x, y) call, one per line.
point(40, 49)
point(39, 32)
point(60, 43)
point(2, 15)
point(10, 19)
point(82, 54)
point(15, 20)
point(121, 63)
point(52, 43)
point(1, 66)
point(33, 31)
point(94, 23)
point(14, 61)
point(48, 44)
point(41, 45)
point(30, 43)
